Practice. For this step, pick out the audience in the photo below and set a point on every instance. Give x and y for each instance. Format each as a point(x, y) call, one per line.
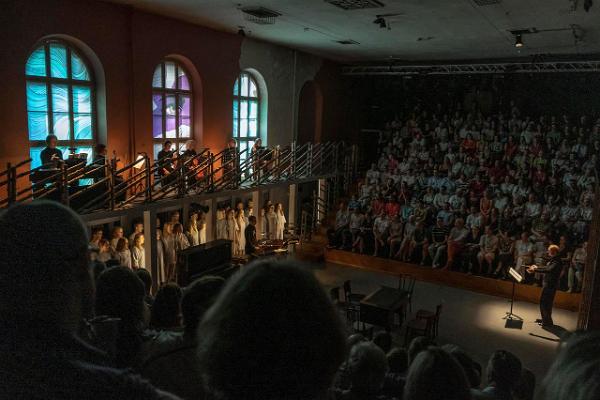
point(503, 374)
point(272, 334)
point(166, 310)
point(44, 297)
point(513, 177)
point(367, 366)
point(436, 375)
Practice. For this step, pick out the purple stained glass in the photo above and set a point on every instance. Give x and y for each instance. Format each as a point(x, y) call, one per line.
point(184, 127)
point(170, 105)
point(156, 104)
point(157, 126)
point(184, 83)
point(170, 122)
point(184, 105)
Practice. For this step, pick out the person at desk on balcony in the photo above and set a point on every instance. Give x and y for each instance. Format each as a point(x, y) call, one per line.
point(230, 162)
point(50, 156)
point(165, 159)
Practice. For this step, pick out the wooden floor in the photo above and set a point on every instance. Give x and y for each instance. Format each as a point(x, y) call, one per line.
point(494, 287)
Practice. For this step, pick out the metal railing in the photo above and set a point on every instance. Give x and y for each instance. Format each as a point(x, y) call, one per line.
point(142, 181)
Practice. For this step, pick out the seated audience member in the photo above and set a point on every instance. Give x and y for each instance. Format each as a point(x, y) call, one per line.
point(43, 356)
point(272, 334)
point(575, 275)
point(172, 366)
point(383, 340)
point(342, 377)
point(120, 294)
point(393, 384)
point(146, 278)
point(488, 246)
point(166, 310)
point(575, 373)
point(417, 345)
point(436, 375)
point(368, 366)
point(338, 235)
point(471, 367)
point(456, 241)
point(381, 227)
point(525, 387)
point(503, 373)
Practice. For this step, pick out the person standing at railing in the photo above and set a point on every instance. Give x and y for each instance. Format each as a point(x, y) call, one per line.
point(257, 164)
point(230, 162)
point(51, 156)
point(271, 222)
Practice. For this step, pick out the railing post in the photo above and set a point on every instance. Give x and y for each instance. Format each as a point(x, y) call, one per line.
point(181, 168)
point(64, 183)
point(148, 172)
point(309, 159)
point(111, 186)
point(11, 184)
point(294, 148)
point(211, 172)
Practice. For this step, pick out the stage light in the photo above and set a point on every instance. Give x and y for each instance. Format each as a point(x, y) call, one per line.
point(519, 40)
point(381, 22)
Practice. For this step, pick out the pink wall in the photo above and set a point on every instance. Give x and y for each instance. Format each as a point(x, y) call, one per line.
point(128, 45)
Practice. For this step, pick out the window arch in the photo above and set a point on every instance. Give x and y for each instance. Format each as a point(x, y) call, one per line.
point(61, 95)
point(171, 105)
point(246, 110)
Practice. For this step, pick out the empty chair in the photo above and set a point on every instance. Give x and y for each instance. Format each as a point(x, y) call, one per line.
point(425, 324)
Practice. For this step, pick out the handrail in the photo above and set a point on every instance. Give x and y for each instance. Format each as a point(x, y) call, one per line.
point(143, 181)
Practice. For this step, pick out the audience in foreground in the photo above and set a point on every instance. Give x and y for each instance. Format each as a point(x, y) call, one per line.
point(46, 290)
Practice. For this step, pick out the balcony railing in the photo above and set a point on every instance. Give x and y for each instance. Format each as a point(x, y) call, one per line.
point(110, 188)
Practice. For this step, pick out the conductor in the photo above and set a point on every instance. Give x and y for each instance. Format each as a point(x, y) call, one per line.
point(551, 275)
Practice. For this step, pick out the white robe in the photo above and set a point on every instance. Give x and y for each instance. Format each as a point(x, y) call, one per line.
point(279, 226)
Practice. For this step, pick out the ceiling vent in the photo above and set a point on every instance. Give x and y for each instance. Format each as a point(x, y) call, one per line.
point(356, 4)
point(260, 15)
point(347, 41)
point(487, 2)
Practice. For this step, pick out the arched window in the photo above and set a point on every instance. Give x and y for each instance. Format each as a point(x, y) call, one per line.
point(171, 105)
point(60, 100)
point(246, 105)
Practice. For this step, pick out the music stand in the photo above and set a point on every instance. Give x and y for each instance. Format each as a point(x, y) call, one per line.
point(513, 321)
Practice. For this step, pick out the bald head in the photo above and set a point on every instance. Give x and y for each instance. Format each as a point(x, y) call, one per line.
point(44, 267)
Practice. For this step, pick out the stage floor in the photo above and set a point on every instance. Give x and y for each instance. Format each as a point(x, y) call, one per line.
point(470, 320)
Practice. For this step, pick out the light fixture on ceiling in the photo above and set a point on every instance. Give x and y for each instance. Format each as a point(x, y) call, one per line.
point(518, 40)
point(381, 21)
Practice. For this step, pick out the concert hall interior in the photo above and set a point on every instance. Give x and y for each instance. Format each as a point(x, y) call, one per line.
point(300, 199)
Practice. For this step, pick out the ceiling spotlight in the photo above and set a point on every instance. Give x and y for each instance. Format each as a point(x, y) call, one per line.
point(381, 22)
point(519, 40)
point(242, 32)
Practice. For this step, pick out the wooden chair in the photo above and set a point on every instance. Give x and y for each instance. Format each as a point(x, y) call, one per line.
point(406, 283)
point(352, 304)
point(425, 323)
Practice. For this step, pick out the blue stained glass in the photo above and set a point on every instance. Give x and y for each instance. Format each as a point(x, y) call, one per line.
point(36, 64)
point(170, 105)
point(62, 126)
point(244, 110)
point(157, 147)
point(37, 122)
point(253, 131)
point(244, 128)
point(83, 126)
point(184, 127)
point(244, 85)
point(236, 87)
point(78, 68)
point(253, 109)
point(82, 99)
point(253, 89)
point(58, 61)
point(37, 99)
point(235, 118)
point(60, 98)
point(170, 80)
point(157, 78)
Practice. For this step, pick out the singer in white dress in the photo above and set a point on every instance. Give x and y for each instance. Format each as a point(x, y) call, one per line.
point(280, 221)
point(192, 229)
point(221, 226)
point(271, 222)
point(240, 238)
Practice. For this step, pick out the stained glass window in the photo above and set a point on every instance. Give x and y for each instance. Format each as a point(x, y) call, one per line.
point(171, 105)
point(246, 121)
point(60, 100)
